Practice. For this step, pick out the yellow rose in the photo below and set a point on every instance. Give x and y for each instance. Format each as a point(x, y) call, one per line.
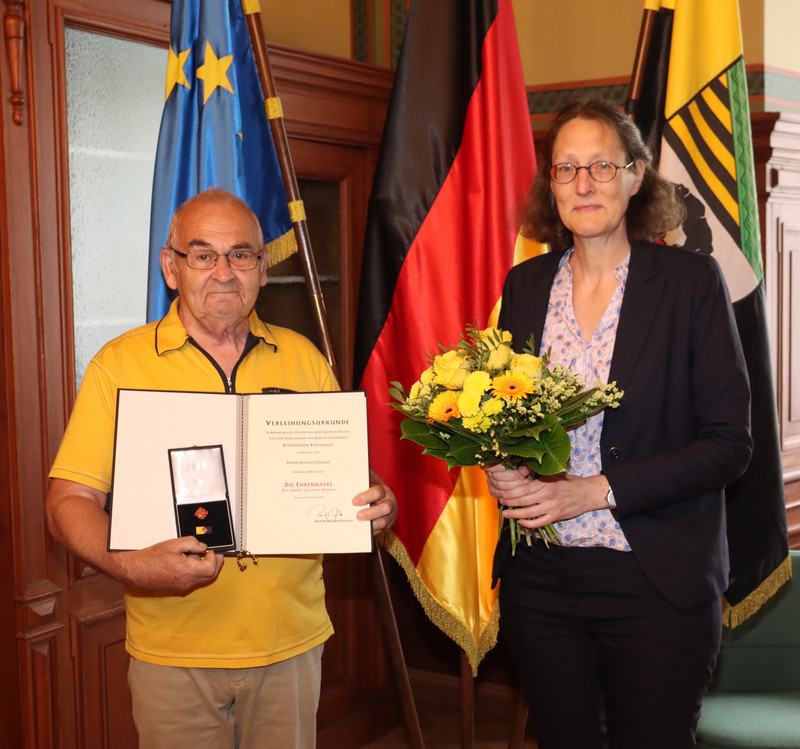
point(499, 357)
point(530, 365)
point(450, 370)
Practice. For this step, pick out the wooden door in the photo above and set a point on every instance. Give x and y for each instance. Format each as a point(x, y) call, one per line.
point(61, 623)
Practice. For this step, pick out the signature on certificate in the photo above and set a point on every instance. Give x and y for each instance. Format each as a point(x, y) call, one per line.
point(325, 514)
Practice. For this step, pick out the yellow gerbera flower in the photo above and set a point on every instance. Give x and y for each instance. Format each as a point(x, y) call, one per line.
point(444, 406)
point(514, 385)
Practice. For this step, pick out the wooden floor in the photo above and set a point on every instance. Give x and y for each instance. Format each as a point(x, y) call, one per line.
point(438, 701)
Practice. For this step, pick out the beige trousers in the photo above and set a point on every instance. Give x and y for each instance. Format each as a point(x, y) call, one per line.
point(221, 708)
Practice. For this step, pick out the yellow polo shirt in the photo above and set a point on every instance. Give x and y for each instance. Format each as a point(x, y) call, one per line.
point(271, 611)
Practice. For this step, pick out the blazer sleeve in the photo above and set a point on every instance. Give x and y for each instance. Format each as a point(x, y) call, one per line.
point(683, 429)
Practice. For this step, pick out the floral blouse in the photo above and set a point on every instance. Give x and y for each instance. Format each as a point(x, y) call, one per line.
point(590, 360)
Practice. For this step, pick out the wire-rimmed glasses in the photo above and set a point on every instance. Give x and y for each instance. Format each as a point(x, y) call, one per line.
point(599, 171)
point(198, 259)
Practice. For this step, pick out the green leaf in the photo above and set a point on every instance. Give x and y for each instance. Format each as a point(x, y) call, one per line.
point(556, 453)
point(529, 449)
point(530, 346)
point(440, 453)
point(463, 451)
point(422, 434)
point(531, 431)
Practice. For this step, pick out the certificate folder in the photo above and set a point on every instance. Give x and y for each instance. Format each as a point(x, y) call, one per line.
point(281, 469)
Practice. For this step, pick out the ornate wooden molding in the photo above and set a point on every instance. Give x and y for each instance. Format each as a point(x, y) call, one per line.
point(14, 26)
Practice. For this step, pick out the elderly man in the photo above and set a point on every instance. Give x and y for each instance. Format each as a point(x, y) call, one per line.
point(219, 658)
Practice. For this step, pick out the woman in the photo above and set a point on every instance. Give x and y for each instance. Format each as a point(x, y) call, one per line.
point(615, 629)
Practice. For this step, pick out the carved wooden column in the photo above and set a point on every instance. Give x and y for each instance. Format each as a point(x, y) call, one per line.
point(777, 155)
point(14, 29)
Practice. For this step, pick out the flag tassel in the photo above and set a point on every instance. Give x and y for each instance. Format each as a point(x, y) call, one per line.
point(733, 616)
point(252, 15)
point(446, 621)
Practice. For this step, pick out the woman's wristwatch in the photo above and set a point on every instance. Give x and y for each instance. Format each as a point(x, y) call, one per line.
point(612, 503)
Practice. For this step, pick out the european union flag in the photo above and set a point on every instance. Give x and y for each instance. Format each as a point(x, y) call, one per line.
point(214, 131)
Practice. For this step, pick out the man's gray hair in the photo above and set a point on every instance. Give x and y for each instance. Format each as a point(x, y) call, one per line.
point(211, 195)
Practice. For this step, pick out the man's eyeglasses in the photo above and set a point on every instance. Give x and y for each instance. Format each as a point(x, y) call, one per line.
point(600, 171)
point(207, 259)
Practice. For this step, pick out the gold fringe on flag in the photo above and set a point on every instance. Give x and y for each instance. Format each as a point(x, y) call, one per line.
point(280, 248)
point(733, 616)
point(446, 621)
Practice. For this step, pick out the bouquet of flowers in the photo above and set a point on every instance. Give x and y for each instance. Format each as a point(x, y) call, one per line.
point(480, 402)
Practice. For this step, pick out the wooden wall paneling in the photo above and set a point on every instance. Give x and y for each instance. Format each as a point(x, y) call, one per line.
point(10, 723)
point(103, 699)
point(43, 708)
point(327, 101)
point(331, 100)
point(350, 171)
point(790, 400)
point(42, 665)
point(357, 701)
point(777, 157)
point(49, 585)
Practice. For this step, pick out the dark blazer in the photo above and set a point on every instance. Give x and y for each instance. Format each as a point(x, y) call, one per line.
point(682, 431)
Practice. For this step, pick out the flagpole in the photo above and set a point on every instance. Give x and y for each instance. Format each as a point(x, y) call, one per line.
point(642, 48)
point(252, 14)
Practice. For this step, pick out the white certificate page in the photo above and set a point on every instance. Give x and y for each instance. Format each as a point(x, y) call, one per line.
point(307, 457)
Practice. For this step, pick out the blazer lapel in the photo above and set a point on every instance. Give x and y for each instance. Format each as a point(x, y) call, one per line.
point(643, 291)
point(540, 296)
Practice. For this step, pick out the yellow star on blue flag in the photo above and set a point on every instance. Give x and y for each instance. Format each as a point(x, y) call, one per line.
point(213, 72)
point(175, 73)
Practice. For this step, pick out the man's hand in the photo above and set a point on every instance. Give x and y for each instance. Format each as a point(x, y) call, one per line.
point(77, 519)
point(176, 566)
point(380, 504)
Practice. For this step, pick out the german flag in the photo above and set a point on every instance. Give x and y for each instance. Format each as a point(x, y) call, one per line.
point(693, 110)
point(455, 162)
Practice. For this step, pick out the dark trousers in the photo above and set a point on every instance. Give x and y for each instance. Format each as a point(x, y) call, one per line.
point(604, 659)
